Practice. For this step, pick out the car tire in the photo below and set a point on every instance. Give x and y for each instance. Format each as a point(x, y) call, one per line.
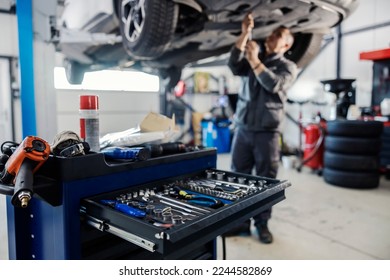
point(74, 71)
point(385, 161)
point(156, 20)
point(305, 48)
point(385, 143)
point(351, 145)
point(386, 131)
point(356, 180)
point(369, 129)
point(351, 162)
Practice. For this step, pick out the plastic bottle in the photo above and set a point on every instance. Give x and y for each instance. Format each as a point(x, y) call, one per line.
point(89, 121)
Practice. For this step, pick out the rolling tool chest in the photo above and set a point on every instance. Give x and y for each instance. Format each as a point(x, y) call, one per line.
point(170, 207)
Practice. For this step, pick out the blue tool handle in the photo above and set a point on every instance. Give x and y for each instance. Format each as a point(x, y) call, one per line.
point(131, 211)
point(198, 195)
point(134, 153)
point(207, 203)
point(124, 208)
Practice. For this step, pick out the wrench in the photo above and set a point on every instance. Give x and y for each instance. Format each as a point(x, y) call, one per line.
point(181, 208)
point(182, 204)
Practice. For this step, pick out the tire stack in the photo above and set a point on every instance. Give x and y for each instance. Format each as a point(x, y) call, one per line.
point(351, 157)
point(385, 151)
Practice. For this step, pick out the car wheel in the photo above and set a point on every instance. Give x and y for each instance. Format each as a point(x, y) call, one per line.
point(356, 128)
point(356, 180)
point(352, 145)
point(147, 27)
point(305, 48)
point(347, 162)
point(386, 131)
point(74, 71)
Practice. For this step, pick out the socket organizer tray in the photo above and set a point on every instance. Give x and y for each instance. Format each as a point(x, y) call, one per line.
point(181, 212)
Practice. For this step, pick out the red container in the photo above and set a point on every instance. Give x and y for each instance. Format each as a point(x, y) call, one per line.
point(89, 121)
point(313, 154)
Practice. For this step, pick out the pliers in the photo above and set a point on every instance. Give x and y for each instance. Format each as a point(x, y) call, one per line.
point(200, 199)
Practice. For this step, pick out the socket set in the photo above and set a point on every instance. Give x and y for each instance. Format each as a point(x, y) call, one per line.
point(157, 215)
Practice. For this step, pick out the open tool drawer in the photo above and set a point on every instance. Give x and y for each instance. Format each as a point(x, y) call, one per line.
point(179, 214)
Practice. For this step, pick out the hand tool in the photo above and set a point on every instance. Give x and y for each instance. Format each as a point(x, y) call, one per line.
point(220, 175)
point(127, 153)
point(183, 204)
point(225, 198)
point(166, 148)
point(231, 179)
point(221, 186)
point(75, 150)
point(209, 174)
point(20, 167)
point(216, 191)
point(150, 209)
point(181, 208)
point(241, 180)
point(167, 216)
point(200, 199)
point(240, 186)
point(186, 216)
point(158, 212)
point(177, 219)
point(124, 208)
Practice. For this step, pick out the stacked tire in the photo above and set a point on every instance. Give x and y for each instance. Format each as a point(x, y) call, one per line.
point(351, 157)
point(385, 151)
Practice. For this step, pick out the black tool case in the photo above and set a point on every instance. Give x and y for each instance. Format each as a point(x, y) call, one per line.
point(69, 220)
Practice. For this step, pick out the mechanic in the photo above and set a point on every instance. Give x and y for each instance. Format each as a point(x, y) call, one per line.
point(266, 76)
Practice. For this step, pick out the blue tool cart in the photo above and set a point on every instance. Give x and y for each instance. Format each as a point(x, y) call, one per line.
point(69, 217)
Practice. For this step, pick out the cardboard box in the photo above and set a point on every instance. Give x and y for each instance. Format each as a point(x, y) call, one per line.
point(157, 122)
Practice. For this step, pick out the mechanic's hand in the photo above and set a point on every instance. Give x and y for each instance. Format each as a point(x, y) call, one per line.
point(252, 53)
point(246, 29)
point(247, 24)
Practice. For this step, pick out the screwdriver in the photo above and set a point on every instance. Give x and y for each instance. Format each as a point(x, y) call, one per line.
point(127, 153)
point(124, 208)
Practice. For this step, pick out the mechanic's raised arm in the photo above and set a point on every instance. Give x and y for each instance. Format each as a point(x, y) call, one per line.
point(237, 63)
point(246, 28)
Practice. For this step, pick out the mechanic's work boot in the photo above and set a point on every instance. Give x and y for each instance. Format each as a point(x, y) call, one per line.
point(265, 236)
point(241, 230)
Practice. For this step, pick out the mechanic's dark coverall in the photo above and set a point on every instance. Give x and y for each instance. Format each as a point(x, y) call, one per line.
point(260, 109)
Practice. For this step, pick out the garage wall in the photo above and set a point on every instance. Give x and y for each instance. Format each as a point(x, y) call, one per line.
point(370, 13)
point(9, 45)
point(8, 48)
point(119, 110)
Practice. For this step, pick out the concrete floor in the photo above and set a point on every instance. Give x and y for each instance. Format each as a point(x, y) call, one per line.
point(318, 221)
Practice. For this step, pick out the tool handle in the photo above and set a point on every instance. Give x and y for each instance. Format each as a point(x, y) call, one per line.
point(24, 182)
point(131, 211)
point(134, 153)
